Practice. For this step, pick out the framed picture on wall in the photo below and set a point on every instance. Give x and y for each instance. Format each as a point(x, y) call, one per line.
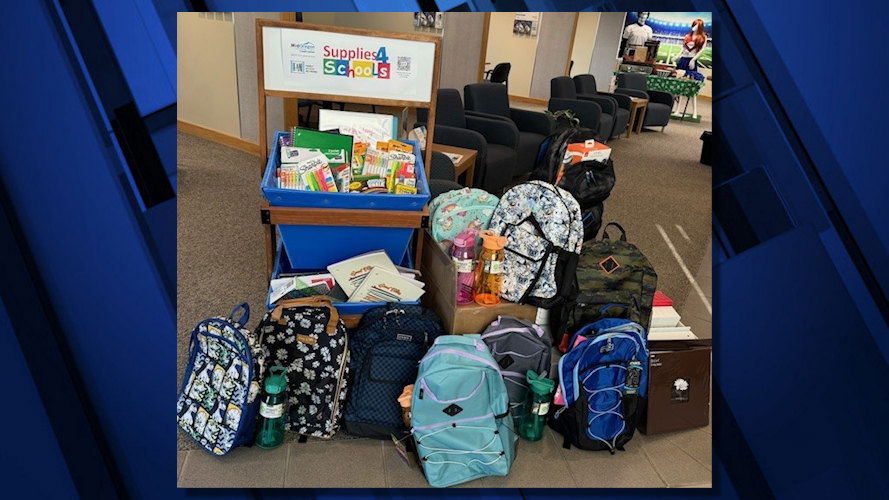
point(526, 23)
point(427, 21)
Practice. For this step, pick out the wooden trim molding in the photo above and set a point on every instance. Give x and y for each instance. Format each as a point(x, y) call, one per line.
point(218, 137)
point(571, 45)
point(483, 54)
point(529, 100)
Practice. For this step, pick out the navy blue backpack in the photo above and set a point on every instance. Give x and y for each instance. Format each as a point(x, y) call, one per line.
point(385, 352)
point(603, 385)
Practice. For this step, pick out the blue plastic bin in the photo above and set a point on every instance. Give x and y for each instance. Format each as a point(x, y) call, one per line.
point(283, 265)
point(314, 247)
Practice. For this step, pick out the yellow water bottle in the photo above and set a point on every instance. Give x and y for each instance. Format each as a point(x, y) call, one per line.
point(489, 270)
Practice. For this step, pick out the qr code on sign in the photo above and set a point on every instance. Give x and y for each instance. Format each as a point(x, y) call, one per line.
point(404, 63)
point(297, 67)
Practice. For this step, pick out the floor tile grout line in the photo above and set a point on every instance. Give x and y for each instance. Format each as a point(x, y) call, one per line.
point(181, 469)
point(683, 450)
point(654, 467)
point(287, 464)
point(560, 449)
point(383, 462)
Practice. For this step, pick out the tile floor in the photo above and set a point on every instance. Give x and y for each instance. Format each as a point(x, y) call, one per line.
point(679, 459)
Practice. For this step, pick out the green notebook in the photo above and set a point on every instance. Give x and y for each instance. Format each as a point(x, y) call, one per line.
point(336, 147)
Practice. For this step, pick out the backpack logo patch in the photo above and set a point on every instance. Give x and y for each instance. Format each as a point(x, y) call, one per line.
point(452, 410)
point(609, 264)
point(506, 361)
point(403, 337)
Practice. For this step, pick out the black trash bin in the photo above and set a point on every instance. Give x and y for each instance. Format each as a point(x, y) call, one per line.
point(707, 149)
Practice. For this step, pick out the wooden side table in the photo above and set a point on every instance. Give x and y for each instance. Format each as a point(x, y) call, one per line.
point(638, 107)
point(466, 164)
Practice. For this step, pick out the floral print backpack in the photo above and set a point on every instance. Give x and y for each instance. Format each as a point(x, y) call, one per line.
point(308, 338)
point(452, 212)
point(544, 234)
point(217, 402)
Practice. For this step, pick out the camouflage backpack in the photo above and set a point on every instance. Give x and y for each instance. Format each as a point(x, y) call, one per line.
point(615, 280)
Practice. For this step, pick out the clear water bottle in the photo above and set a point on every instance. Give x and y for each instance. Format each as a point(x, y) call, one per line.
point(271, 409)
point(463, 253)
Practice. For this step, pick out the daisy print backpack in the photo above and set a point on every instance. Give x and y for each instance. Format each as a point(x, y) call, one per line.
point(452, 212)
point(217, 401)
point(307, 337)
point(544, 234)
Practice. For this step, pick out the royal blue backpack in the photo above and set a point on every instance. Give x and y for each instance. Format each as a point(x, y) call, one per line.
point(459, 413)
point(384, 353)
point(604, 381)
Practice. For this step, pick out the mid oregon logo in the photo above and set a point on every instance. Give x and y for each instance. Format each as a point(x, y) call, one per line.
point(356, 63)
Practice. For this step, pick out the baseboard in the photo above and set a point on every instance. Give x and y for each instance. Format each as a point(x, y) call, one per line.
point(529, 100)
point(218, 137)
point(705, 97)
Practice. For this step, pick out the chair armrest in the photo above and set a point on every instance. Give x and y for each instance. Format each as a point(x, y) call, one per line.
point(532, 121)
point(623, 100)
point(496, 131)
point(661, 97)
point(607, 104)
point(469, 112)
point(588, 111)
point(632, 92)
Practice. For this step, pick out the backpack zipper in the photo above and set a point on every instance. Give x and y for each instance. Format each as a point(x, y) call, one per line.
point(339, 385)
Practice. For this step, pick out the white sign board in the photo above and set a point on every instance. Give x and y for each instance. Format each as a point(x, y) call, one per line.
point(322, 62)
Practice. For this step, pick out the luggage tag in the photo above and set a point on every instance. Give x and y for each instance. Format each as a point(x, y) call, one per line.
point(409, 458)
point(634, 377)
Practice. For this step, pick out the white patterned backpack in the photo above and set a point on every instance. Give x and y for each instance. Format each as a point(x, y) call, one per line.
point(544, 234)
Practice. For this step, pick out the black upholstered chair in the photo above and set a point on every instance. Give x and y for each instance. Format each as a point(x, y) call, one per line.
point(586, 85)
point(660, 104)
point(490, 100)
point(588, 110)
point(494, 140)
point(442, 176)
point(500, 74)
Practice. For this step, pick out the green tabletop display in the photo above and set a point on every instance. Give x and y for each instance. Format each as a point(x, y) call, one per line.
point(686, 87)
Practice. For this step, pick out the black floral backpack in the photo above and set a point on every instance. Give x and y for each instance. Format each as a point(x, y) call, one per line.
point(307, 337)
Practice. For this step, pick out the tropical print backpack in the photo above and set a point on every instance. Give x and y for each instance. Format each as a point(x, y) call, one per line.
point(518, 345)
point(603, 384)
point(452, 212)
point(308, 338)
point(614, 280)
point(542, 224)
point(384, 353)
point(459, 411)
point(217, 401)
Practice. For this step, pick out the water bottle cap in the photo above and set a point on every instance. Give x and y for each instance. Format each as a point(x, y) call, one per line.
point(276, 382)
point(466, 238)
point(491, 240)
point(540, 384)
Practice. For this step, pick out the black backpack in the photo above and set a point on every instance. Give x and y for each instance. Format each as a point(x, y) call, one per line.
point(385, 352)
point(590, 182)
point(308, 338)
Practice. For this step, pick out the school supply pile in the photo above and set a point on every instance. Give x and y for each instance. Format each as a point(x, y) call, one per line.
point(372, 277)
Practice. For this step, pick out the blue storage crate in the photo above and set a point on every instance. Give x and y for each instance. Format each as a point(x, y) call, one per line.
point(283, 265)
point(314, 247)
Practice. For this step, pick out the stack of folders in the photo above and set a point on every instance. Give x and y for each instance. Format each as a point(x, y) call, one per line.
point(666, 324)
point(372, 277)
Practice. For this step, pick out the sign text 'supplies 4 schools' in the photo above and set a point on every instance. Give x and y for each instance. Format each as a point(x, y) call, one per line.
point(356, 62)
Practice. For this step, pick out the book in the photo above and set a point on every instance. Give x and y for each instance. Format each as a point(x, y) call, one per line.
point(664, 316)
point(336, 147)
point(295, 288)
point(381, 285)
point(351, 272)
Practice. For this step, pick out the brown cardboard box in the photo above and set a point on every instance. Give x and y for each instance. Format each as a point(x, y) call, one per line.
point(678, 388)
point(440, 277)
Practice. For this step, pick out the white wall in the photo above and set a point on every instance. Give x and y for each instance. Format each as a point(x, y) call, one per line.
point(604, 59)
point(248, 100)
point(551, 59)
point(584, 41)
point(207, 83)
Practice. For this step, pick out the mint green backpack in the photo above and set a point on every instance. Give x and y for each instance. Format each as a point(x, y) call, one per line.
point(452, 212)
point(460, 413)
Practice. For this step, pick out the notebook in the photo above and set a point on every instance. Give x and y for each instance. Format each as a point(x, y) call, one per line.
point(351, 272)
point(381, 285)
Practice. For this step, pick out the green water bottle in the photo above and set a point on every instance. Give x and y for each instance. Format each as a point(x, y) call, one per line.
point(271, 409)
point(539, 397)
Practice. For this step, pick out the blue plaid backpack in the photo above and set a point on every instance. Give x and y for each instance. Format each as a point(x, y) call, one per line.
point(384, 353)
point(217, 402)
point(603, 381)
point(459, 413)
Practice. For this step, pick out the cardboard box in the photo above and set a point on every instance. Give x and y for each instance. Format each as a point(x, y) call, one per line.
point(440, 277)
point(678, 387)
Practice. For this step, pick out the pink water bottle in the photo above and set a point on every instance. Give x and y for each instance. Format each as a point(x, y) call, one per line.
point(463, 253)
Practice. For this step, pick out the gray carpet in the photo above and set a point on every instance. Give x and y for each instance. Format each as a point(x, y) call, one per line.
point(220, 242)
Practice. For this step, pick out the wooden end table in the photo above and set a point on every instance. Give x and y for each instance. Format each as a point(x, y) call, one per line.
point(638, 106)
point(466, 164)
